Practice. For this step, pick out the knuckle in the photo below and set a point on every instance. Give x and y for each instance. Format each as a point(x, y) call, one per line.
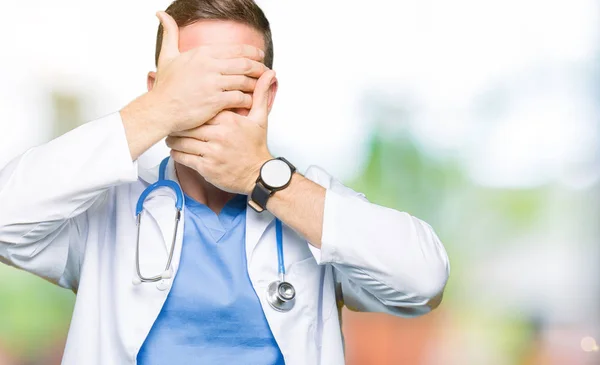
point(245, 83)
point(257, 53)
point(263, 68)
point(247, 65)
point(249, 83)
point(246, 101)
point(218, 101)
point(238, 97)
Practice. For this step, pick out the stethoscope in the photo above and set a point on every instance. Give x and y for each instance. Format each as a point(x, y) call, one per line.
point(281, 294)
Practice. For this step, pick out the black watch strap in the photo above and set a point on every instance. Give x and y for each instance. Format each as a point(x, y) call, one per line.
point(259, 197)
point(292, 167)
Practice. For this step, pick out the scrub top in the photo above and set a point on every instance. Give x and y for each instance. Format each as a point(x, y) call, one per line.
point(212, 314)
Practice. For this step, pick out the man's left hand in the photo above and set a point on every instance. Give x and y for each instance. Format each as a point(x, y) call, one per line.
point(229, 150)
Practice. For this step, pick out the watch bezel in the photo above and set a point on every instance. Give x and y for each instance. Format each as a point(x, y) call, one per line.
point(271, 187)
point(261, 193)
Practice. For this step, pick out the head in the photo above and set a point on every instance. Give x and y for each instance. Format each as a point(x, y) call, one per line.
point(210, 22)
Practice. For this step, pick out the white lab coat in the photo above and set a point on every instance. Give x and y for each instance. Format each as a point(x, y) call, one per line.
point(67, 214)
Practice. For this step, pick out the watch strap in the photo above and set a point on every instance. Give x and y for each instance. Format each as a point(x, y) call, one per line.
point(259, 197)
point(292, 167)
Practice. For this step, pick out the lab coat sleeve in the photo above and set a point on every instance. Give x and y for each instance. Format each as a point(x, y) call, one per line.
point(47, 193)
point(384, 260)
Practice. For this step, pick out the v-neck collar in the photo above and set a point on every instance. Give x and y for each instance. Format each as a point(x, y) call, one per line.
point(217, 224)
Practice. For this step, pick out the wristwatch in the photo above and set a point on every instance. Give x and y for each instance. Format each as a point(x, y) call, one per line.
point(275, 175)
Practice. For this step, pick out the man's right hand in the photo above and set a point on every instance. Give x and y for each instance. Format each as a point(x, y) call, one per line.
point(190, 88)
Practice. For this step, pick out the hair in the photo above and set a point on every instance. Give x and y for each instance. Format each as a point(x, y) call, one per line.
point(186, 12)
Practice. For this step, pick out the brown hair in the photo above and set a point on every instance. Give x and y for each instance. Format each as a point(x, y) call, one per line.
point(186, 12)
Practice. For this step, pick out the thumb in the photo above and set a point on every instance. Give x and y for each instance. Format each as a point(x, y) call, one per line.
point(170, 38)
point(260, 98)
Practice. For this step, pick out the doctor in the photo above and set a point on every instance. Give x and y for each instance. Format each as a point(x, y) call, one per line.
point(211, 287)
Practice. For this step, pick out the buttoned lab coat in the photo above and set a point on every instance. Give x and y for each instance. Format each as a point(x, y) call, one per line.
point(67, 214)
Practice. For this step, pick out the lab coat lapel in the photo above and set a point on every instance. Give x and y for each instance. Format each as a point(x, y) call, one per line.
point(256, 224)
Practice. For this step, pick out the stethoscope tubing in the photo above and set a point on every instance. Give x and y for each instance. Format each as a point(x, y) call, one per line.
point(274, 297)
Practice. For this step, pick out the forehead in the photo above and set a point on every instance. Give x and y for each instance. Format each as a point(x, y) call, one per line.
point(218, 32)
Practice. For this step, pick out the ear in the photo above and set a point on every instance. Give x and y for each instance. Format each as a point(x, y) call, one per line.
point(272, 94)
point(151, 80)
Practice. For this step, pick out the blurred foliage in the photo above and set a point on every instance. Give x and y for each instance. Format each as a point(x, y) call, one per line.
point(36, 313)
point(471, 220)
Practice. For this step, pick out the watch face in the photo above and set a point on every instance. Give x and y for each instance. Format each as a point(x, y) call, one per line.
point(275, 174)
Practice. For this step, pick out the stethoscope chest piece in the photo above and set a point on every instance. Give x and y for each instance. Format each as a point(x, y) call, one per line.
point(281, 295)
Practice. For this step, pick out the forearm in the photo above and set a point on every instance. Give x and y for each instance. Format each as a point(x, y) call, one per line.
point(62, 178)
point(144, 123)
point(392, 255)
point(388, 261)
point(300, 206)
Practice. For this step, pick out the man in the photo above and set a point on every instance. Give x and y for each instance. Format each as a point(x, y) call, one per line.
point(68, 214)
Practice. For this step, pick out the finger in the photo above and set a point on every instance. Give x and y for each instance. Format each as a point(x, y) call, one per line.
point(224, 117)
point(235, 99)
point(234, 51)
point(260, 99)
point(237, 82)
point(188, 145)
point(203, 133)
point(170, 41)
point(192, 161)
point(242, 66)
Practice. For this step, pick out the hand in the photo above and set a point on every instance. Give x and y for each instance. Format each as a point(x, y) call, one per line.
point(229, 150)
point(192, 87)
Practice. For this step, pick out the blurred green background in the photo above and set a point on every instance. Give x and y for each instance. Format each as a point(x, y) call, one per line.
point(481, 118)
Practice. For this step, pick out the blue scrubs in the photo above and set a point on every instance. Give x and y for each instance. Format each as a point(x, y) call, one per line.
point(212, 314)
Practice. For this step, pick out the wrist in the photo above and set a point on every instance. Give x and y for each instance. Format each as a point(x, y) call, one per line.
point(147, 111)
point(143, 126)
point(284, 194)
point(255, 173)
point(161, 115)
point(275, 175)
